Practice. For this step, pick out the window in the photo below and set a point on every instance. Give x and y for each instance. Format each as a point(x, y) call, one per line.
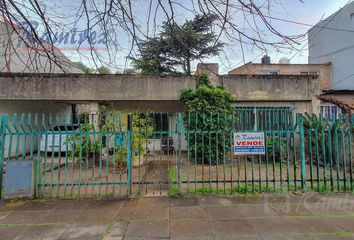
point(269, 72)
point(160, 122)
point(309, 73)
point(330, 110)
point(255, 118)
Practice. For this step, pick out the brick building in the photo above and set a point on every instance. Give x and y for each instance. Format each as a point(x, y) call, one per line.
point(323, 70)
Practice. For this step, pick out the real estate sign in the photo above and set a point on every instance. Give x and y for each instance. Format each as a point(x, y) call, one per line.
point(249, 143)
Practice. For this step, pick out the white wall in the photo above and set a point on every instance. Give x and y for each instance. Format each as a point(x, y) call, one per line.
point(155, 144)
point(16, 56)
point(328, 45)
point(26, 107)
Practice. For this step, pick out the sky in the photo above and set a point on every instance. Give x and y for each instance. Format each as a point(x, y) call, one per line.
point(305, 11)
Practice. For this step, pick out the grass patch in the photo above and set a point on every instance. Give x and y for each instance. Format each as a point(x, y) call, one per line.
point(173, 189)
point(242, 189)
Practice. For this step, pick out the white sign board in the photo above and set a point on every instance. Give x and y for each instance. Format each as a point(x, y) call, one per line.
point(249, 143)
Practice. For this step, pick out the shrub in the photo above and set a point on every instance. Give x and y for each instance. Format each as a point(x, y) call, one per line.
point(275, 147)
point(82, 144)
point(208, 119)
point(141, 126)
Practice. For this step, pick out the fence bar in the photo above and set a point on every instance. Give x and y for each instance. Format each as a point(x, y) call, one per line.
point(179, 158)
point(123, 154)
point(3, 123)
point(302, 151)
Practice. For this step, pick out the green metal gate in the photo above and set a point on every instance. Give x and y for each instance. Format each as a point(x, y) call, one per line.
point(137, 154)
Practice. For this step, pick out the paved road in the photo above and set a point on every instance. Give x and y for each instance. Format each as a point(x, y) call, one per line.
point(285, 216)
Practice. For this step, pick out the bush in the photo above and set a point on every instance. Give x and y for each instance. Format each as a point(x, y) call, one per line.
point(141, 126)
point(275, 147)
point(208, 119)
point(81, 144)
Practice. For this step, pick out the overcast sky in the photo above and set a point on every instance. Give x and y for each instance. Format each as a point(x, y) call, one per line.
point(305, 11)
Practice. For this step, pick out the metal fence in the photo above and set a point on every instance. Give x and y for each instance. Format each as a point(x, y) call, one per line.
point(121, 154)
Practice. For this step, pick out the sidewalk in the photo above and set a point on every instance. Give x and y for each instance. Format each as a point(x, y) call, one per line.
point(286, 216)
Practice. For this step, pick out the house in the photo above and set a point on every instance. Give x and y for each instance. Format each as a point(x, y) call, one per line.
point(18, 57)
point(136, 93)
point(285, 68)
point(331, 40)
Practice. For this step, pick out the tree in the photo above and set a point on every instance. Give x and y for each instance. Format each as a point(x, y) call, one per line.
point(194, 40)
point(130, 71)
point(152, 58)
point(178, 46)
point(84, 68)
point(103, 70)
point(208, 109)
point(98, 27)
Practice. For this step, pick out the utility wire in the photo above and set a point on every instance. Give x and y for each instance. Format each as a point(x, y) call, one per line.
point(335, 15)
point(300, 23)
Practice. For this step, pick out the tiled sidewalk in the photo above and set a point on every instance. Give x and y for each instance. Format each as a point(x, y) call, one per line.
point(286, 216)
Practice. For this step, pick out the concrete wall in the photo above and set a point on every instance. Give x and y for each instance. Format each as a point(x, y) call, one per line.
point(155, 93)
point(323, 70)
point(96, 87)
point(328, 45)
point(279, 90)
point(153, 106)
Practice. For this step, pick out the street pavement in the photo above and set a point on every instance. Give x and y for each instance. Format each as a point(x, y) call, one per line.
point(266, 216)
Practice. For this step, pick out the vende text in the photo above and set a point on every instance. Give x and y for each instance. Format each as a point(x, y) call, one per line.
point(249, 143)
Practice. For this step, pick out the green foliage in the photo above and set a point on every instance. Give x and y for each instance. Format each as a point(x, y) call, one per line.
point(275, 147)
point(209, 109)
point(82, 144)
point(321, 132)
point(178, 46)
point(103, 70)
point(152, 59)
point(129, 71)
point(173, 182)
point(203, 79)
point(84, 68)
point(141, 124)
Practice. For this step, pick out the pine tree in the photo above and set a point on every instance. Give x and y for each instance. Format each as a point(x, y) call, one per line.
point(178, 46)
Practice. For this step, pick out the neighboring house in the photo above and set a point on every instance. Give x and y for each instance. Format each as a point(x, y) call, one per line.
point(322, 70)
point(268, 68)
point(331, 40)
point(18, 58)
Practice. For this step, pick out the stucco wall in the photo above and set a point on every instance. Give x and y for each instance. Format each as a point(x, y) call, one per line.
point(161, 94)
point(280, 90)
point(96, 87)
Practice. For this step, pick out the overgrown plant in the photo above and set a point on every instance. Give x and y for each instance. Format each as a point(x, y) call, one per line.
point(140, 126)
point(321, 131)
point(275, 147)
point(82, 145)
point(173, 182)
point(208, 121)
